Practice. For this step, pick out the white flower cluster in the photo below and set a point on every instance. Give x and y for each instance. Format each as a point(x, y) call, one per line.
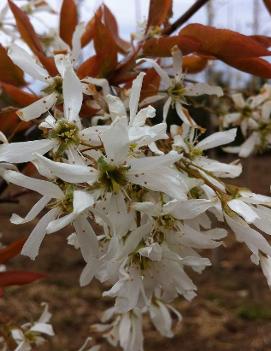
point(29, 335)
point(141, 201)
point(252, 116)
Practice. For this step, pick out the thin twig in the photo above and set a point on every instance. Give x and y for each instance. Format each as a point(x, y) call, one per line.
point(185, 17)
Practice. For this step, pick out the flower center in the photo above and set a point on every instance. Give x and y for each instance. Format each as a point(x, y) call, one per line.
point(111, 177)
point(66, 133)
point(177, 91)
point(56, 86)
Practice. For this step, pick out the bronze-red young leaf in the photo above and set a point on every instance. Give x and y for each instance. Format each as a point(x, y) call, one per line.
point(9, 72)
point(18, 278)
point(11, 250)
point(68, 20)
point(159, 12)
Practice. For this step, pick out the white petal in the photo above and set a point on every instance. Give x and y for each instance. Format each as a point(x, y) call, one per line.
point(243, 210)
point(219, 169)
point(153, 252)
point(166, 109)
point(81, 201)
point(43, 328)
point(68, 173)
point(248, 146)
point(217, 139)
point(36, 209)
point(40, 186)
point(202, 89)
point(46, 315)
point(87, 238)
point(62, 61)
point(116, 107)
point(89, 271)
point(187, 209)
point(100, 82)
point(20, 152)
point(72, 94)
point(165, 80)
point(76, 42)
point(32, 245)
point(116, 141)
point(177, 62)
point(253, 239)
point(28, 64)
point(238, 100)
point(161, 319)
point(181, 113)
point(212, 180)
point(135, 96)
point(266, 111)
point(37, 108)
point(146, 135)
point(60, 223)
point(266, 268)
point(142, 115)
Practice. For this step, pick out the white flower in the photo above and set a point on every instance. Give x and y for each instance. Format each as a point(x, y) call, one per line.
point(70, 203)
point(175, 90)
point(161, 318)
point(31, 334)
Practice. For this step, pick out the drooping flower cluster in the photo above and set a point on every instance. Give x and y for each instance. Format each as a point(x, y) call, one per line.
point(29, 335)
point(151, 193)
point(252, 116)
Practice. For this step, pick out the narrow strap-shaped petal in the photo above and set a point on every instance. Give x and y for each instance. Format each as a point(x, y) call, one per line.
point(35, 210)
point(165, 80)
point(116, 141)
point(116, 107)
point(28, 64)
point(203, 89)
point(40, 186)
point(76, 42)
point(86, 237)
point(68, 173)
point(217, 139)
point(82, 200)
point(37, 108)
point(135, 95)
point(32, 245)
point(73, 95)
point(166, 108)
point(23, 151)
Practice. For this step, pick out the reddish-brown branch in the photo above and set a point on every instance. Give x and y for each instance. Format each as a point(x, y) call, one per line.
point(185, 17)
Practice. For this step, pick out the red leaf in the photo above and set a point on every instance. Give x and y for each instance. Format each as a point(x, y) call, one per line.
point(161, 47)
point(88, 35)
point(105, 47)
point(112, 25)
point(268, 5)
point(20, 96)
point(29, 35)
point(223, 43)
point(18, 278)
point(25, 28)
point(254, 65)
point(124, 70)
point(194, 63)
point(9, 72)
point(11, 250)
point(150, 84)
point(159, 12)
point(89, 68)
point(68, 20)
point(10, 123)
point(262, 39)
